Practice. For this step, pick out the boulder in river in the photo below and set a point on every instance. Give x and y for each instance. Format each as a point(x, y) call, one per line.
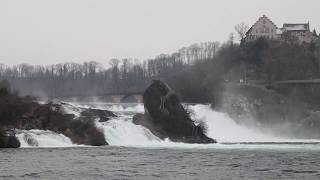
point(166, 117)
point(8, 141)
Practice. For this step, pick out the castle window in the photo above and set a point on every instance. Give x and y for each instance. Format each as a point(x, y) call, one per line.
point(264, 29)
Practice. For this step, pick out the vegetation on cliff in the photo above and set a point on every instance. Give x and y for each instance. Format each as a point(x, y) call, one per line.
point(258, 62)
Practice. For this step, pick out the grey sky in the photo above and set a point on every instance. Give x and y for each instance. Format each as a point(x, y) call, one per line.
point(47, 32)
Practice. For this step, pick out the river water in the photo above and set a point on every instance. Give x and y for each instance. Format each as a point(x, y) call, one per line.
point(135, 153)
point(236, 162)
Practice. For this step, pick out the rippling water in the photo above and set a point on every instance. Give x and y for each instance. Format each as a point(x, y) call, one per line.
point(220, 162)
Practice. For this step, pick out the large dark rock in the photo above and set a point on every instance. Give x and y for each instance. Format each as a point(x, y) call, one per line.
point(166, 118)
point(13, 142)
point(146, 121)
point(81, 130)
point(31, 115)
point(8, 141)
point(25, 113)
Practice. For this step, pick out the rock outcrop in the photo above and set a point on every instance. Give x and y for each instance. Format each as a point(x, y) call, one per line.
point(81, 130)
point(165, 116)
point(25, 113)
point(8, 141)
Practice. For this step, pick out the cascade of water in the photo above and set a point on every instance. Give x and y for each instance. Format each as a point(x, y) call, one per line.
point(224, 129)
point(121, 131)
point(41, 138)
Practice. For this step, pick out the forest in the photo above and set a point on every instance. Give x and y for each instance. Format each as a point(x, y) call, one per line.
point(196, 72)
point(91, 78)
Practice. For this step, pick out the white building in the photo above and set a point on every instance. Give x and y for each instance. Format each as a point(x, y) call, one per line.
point(265, 28)
point(299, 32)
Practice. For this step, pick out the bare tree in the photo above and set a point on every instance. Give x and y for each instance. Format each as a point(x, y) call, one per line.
point(241, 30)
point(231, 39)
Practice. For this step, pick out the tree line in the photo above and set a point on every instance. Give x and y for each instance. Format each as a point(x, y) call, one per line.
point(91, 78)
point(196, 72)
point(261, 62)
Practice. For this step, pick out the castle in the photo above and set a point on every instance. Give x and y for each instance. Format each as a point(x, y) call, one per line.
point(265, 28)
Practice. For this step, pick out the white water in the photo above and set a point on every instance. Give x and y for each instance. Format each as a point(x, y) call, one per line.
point(224, 129)
point(120, 131)
point(41, 138)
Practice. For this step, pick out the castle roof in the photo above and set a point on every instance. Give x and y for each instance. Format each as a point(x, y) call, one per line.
point(263, 17)
point(296, 27)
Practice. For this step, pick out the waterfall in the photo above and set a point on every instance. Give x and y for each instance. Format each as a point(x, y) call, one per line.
point(121, 131)
point(41, 138)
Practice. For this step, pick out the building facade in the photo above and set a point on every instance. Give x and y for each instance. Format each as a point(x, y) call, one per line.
point(299, 32)
point(265, 28)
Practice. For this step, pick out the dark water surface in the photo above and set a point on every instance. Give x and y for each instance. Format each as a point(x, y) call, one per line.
point(160, 163)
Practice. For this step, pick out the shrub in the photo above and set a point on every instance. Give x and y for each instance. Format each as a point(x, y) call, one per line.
point(203, 126)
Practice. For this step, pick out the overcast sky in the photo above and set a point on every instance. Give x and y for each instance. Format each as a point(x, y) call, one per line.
point(54, 31)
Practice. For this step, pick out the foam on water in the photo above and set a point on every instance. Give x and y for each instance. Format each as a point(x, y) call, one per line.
point(71, 108)
point(135, 108)
point(121, 131)
point(41, 138)
point(224, 129)
point(75, 108)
